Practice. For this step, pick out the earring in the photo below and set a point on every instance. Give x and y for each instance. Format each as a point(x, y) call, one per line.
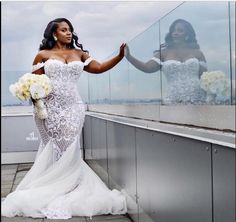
point(55, 38)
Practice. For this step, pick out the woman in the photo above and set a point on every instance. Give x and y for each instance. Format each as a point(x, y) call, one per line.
point(182, 62)
point(60, 184)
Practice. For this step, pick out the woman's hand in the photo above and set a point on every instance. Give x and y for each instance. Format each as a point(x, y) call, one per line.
point(147, 67)
point(96, 67)
point(127, 51)
point(33, 101)
point(122, 50)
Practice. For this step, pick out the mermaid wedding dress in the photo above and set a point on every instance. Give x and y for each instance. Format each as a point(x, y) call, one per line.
point(60, 184)
point(183, 83)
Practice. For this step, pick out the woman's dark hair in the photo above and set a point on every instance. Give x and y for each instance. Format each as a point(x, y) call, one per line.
point(48, 42)
point(190, 41)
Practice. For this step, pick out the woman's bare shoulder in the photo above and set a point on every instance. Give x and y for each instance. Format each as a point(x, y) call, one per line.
point(163, 53)
point(83, 55)
point(77, 51)
point(41, 56)
point(199, 54)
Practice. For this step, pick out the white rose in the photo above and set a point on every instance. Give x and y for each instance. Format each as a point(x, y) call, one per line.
point(37, 91)
point(25, 77)
point(13, 89)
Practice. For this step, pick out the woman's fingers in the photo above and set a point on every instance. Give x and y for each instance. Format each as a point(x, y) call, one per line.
point(122, 50)
point(127, 52)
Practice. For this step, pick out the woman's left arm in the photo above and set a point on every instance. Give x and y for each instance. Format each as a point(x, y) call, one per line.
point(96, 67)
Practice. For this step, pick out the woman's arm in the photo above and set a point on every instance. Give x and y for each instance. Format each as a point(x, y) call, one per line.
point(202, 63)
point(37, 68)
point(148, 67)
point(38, 60)
point(96, 67)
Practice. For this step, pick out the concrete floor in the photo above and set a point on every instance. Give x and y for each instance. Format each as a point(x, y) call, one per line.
point(12, 174)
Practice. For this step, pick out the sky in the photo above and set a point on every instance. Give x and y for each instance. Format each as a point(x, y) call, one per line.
point(101, 26)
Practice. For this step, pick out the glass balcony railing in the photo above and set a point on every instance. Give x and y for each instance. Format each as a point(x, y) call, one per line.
point(232, 8)
point(179, 78)
point(145, 87)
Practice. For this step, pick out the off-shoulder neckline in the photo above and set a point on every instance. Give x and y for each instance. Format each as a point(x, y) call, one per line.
point(41, 64)
point(54, 59)
point(58, 60)
point(178, 61)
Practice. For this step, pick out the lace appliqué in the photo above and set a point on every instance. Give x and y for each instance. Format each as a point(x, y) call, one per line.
point(183, 83)
point(66, 110)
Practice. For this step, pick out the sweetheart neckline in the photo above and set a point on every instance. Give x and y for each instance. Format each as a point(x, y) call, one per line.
point(51, 59)
point(69, 64)
point(170, 61)
point(193, 58)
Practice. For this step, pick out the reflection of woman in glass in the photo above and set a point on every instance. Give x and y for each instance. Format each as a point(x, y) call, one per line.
point(182, 62)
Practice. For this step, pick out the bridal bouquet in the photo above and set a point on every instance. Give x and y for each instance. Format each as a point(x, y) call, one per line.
point(35, 87)
point(216, 85)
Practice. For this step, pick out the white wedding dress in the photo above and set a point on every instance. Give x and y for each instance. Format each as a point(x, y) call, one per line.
point(182, 81)
point(60, 184)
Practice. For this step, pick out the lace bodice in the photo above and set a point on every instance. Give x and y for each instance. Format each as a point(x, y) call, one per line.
point(64, 78)
point(182, 81)
point(64, 104)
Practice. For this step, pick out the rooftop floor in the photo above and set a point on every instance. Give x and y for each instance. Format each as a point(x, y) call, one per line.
point(12, 174)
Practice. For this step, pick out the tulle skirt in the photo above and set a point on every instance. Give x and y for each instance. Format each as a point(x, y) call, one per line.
point(62, 189)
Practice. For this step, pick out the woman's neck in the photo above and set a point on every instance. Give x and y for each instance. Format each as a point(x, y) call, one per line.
point(59, 46)
point(180, 45)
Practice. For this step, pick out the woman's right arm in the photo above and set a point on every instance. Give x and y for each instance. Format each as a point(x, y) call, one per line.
point(37, 67)
point(149, 67)
point(38, 64)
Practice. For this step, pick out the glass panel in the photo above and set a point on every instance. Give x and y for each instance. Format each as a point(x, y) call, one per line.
point(144, 87)
point(181, 59)
point(93, 98)
point(119, 82)
point(233, 56)
point(103, 88)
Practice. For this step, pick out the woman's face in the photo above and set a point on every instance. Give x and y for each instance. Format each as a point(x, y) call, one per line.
point(179, 33)
point(63, 33)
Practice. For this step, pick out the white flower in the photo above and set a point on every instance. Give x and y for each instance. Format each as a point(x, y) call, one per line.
point(35, 86)
point(215, 82)
point(13, 89)
point(37, 91)
point(25, 77)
